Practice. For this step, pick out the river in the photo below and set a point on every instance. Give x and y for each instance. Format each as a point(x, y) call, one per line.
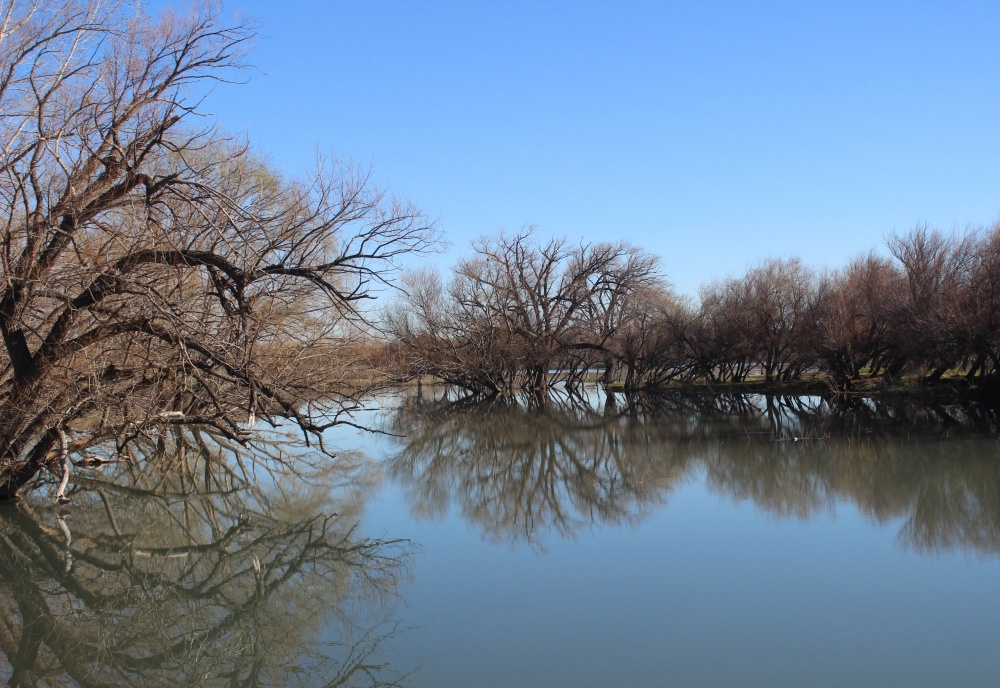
point(585, 541)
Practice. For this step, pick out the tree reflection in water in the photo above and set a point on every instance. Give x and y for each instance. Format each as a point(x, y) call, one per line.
point(190, 576)
point(520, 470)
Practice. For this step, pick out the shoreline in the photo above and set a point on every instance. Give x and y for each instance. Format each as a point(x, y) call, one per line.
point(949, 389)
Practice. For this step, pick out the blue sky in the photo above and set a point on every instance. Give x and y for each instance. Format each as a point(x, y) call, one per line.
point(711, 134)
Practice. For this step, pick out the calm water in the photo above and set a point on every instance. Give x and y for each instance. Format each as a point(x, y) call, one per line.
point(729, 541)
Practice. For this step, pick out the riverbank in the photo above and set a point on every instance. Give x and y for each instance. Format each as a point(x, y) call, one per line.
point(956, 388)
point(948, 388)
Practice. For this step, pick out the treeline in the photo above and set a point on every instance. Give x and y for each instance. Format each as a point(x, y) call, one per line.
point(523, 314)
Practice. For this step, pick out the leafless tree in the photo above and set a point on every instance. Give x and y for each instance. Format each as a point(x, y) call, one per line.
point(850, 324)
point(723, 346)
point(624, 296)
point(517, 310)
point(978, 307)
point(652, 341)
point(536, 293)
point(155, 274)
point(757, 321)
point(779, 295)
point(937, 269)
point(437, 330)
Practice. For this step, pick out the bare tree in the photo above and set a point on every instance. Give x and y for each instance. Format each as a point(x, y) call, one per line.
point(979, 307)
point(780, 295)
point(723, 345)
point(937, 269)
point(154, 274)
point(535, 292)
point(851, 323)
point(518, 310)
point(447, 333)
point(758, 320)
point(623, 296)
point(650, 342)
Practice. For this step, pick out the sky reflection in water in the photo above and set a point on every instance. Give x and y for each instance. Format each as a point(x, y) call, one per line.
point(710, 541)
point(685, 541)
point(183, 574)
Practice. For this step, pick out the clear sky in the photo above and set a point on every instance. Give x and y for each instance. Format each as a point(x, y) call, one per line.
point(711, 134)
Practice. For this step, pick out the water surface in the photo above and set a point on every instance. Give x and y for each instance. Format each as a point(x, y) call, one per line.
point(726, 541)
point(586, 541)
